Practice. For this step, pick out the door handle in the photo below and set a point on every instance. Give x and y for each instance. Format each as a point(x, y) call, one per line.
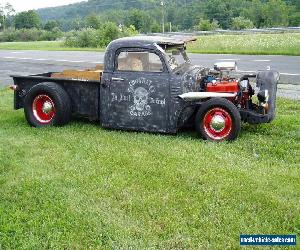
point(118, 79)
point(105, 83)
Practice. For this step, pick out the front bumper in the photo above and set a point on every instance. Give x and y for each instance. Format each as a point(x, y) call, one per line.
point(253, 117)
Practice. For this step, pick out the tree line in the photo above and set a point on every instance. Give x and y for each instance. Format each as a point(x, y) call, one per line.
point(146, 15)
point(28, 26)
point(129, 17)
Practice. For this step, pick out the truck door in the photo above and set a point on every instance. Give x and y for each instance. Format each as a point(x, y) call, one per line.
point(139, 91)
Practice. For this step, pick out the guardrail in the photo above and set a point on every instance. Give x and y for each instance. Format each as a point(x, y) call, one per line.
point(247, 31)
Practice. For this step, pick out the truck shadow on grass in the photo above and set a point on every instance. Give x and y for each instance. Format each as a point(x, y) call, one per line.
point(18, 122)
point(184, 133)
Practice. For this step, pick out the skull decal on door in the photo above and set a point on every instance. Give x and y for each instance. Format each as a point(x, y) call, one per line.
point(140, 97)
point(141, 89)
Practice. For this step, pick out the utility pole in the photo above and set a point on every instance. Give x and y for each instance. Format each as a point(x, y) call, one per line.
point(3, 22)
point(2, 14)
point(162, 4)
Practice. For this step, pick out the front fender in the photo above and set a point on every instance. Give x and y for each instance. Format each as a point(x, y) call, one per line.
point(268, 80)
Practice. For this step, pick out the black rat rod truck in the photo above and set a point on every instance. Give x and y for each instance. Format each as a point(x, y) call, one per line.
point(147, 83)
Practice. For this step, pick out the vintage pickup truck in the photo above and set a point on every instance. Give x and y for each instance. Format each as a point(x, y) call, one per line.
point(147, 83)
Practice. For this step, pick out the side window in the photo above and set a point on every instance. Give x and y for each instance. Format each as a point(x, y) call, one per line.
point(139, 61)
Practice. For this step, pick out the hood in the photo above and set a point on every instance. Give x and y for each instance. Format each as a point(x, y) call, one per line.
point(190, 77)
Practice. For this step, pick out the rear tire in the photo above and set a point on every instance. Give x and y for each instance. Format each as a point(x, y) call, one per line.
point(47, 104)
point(218, 120)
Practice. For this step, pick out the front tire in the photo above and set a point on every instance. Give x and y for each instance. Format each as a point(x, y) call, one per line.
point(47, 104)
point(218, 120)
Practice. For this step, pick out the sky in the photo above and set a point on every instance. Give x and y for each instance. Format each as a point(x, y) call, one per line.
point(22, 5)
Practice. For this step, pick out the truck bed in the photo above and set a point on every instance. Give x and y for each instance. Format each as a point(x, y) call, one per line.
point(84, 93)
point(92, 74)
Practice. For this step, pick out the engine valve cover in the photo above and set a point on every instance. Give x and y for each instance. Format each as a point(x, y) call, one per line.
point(223, 86)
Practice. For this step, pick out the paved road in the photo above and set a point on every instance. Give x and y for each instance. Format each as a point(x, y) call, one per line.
point(32, 62)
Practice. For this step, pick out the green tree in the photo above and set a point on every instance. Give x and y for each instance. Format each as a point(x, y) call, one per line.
point(220, 10)
point(277, 13)
point(294, 19)
point(240, 23)
point(155, 27)
point(93, 21)
point(50, 25)
point(77, 24)
point(183, 15)
point(6, 13)
point(272, 13)
point(256, 13)
point(109, 32)
point(135, 18)
point(27, 20)
point(139, 19)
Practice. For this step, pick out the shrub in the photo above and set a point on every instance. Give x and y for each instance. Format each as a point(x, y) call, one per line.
point(155, 27)
point(7, 36)
point(84, 38)
point(101, 37)
point(206, 25)
point(52, 35)
point(129, 31)
point(51, 25)
point(240, 23)
point(26, 35)
point(109, 32)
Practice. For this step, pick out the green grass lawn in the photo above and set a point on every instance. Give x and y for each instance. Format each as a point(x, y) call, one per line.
point(255, 44)
point(43, 45)
point(81, 186)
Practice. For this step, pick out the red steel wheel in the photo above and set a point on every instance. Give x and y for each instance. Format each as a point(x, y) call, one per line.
point(47, 104)
point(218, 120)
point(43, 109)
point(217, 124)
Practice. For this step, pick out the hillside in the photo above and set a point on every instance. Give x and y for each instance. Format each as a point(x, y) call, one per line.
point(182, 14)
point(82, 9)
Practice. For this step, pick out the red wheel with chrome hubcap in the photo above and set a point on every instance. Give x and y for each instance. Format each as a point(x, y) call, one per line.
point(217, 123)
point(218, 120)
point(47, 104)
point(43, 109)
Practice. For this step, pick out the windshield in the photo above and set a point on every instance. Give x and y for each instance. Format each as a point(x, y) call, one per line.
point(177, 57)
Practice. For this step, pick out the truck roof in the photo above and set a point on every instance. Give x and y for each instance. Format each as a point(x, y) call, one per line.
point(160, 40)
point(146, 42)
